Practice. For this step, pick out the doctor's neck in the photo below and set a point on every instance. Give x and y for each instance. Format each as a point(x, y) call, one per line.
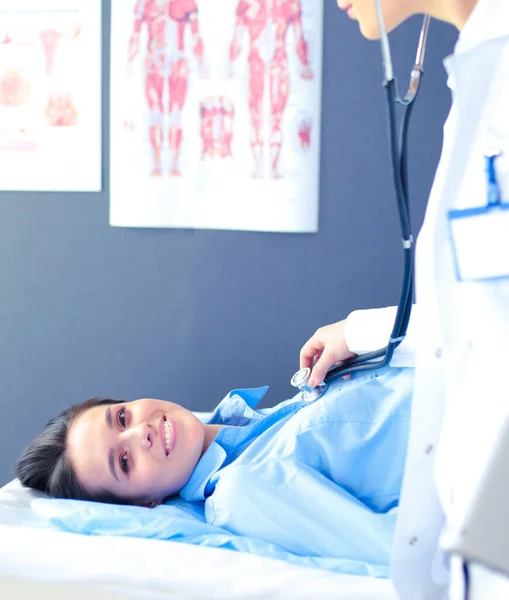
point(455, 12)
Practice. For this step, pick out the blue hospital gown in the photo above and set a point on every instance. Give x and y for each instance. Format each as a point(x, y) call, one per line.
point(317, 479)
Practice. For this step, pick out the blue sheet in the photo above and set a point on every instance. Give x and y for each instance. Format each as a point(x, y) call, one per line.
point(178, 521)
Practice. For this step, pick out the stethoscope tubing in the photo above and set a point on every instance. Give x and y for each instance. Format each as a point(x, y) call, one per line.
point(399, 163)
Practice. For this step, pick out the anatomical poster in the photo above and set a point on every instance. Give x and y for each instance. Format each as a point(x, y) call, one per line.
point(50, 95)
point(215, 114)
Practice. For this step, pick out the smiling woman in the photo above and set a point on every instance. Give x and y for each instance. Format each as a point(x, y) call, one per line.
point(130, 457)
point(276, 474)
point(136, 452)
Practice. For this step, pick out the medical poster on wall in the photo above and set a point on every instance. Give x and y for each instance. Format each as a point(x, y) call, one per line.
point(50, 95)
point(215, 114)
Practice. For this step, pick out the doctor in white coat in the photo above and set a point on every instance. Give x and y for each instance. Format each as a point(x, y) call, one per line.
point(458, 339)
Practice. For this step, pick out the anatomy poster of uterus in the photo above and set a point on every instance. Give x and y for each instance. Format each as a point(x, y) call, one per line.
point(215, 114)
point(50, 95)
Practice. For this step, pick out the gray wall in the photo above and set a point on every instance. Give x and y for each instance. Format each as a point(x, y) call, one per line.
point(88, 310)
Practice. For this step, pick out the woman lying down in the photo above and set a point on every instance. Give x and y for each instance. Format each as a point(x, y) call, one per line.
point(318, 479)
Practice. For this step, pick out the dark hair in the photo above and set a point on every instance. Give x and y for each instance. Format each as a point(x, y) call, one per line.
point(44, 464)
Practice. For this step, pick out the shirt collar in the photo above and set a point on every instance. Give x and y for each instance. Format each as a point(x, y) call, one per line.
point(209, 463)
point(236, 408)
point(489, 21)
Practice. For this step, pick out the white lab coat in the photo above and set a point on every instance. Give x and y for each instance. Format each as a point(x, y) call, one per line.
point(459, 333)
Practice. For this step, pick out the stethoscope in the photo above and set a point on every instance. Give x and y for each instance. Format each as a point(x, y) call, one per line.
point(398, 151)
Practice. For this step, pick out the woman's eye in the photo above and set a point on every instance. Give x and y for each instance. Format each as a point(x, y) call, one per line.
point(121, 417)
point(124, 463)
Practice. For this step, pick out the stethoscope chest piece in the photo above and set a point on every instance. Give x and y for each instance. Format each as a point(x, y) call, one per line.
point(300, 381)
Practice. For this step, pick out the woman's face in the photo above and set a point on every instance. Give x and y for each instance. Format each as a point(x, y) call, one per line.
point(142, 451)
point(363, 11)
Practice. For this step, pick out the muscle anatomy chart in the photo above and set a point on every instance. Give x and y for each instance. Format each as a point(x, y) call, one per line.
point(50, 95)
point(215, 113)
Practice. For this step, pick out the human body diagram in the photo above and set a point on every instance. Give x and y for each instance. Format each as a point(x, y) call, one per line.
point(174, 35)
point(273, 19)
point(20, 81)
point(166, 68)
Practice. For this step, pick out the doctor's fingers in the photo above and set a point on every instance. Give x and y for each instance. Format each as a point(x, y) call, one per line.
point(332, 336)
point(325, 361)
point(311, 351)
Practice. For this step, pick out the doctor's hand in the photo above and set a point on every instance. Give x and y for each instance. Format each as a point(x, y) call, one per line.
point(325, 349)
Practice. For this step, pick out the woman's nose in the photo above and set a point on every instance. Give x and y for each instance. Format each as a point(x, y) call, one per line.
point(143, 433)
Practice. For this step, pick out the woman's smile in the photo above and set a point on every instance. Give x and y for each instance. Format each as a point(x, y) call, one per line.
point(167, 431)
